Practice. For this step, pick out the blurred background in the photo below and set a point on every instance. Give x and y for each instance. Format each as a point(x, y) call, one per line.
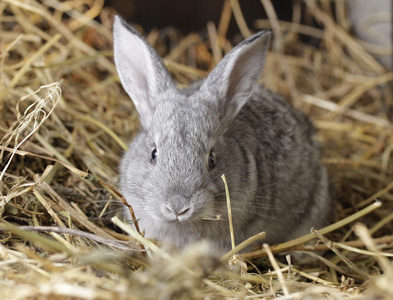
point(371, 21)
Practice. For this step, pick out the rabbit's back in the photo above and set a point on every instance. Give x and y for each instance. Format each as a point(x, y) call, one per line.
point(291, 191)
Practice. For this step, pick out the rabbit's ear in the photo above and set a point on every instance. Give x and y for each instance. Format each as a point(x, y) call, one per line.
point(141, 71)
point(233, 79)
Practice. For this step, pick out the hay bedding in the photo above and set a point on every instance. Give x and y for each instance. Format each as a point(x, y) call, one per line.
point(63, 112)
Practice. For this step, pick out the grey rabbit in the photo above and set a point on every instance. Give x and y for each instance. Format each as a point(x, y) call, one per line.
point(224, 124)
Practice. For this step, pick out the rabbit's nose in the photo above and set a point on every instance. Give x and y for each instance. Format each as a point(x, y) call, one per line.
point(178, 211)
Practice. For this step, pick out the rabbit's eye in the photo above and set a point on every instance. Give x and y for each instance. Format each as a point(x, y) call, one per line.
point(153, 156)
point(212, 160)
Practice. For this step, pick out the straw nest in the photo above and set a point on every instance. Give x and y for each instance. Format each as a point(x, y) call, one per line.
point(65, 121)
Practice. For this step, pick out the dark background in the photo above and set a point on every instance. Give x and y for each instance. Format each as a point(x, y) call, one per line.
point(192, 15)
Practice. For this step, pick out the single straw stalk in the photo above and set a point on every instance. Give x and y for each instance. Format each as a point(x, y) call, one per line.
point(229, 212)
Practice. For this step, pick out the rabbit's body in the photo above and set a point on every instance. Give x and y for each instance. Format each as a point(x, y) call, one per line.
point(225, 124)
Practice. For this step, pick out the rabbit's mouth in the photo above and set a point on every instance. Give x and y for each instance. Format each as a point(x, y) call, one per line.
point(179, 208)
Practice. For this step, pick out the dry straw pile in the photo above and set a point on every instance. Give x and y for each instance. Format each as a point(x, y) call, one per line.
point(65, 120)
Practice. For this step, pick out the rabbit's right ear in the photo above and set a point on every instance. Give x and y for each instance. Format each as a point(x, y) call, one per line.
point(234, 78)
point(141, 71)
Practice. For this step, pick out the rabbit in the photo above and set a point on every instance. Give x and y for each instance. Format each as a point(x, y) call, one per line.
point(223, 124)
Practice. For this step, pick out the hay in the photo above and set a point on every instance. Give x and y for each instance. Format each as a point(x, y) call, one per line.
point(65, 122)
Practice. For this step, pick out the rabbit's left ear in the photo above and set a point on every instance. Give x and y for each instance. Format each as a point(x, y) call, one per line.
point(141, 71)
point(233, 79)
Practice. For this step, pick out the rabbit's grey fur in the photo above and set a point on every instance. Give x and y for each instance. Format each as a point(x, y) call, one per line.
point(265, 148)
